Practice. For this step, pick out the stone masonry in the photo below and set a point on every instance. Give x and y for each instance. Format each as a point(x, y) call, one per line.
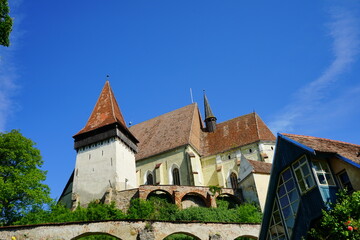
point(130, 230)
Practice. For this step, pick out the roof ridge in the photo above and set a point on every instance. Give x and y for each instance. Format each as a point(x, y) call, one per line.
point(192, 123)
point(257, 125)
point(165, 114)
point(319, 138)
point(112, 103)
point(241, 116)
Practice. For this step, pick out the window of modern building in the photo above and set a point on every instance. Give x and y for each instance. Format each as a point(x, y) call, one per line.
point(233, 180)
point(288, 199)
point(150, 179)
point(276, 229)
point(176, 176)
point(303, 174)
point(345, 181)
point(322, 172)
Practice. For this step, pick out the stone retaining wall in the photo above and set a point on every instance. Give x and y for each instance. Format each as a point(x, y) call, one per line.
point(130, 230)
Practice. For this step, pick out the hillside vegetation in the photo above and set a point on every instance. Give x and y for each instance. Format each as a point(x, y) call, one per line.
point(153, 209)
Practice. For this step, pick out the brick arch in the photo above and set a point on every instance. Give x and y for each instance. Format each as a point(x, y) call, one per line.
point(237, 199)
point(205, 200)
point(86, 234)
point(169, 197)
point(232, 197)
point(199, 193)
point(144, 194)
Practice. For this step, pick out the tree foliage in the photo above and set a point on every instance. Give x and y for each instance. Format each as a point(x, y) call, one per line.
point(153, 209)
point(21, 187)
point(58, 213)
point(5, 23)
point(159, 209)
point(340, 222)
point(244, 213)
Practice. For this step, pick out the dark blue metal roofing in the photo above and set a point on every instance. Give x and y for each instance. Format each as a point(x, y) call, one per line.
point(348, 161)
point(310, 150)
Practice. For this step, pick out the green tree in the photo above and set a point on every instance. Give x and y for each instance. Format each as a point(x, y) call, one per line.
point(340, 222)
point(21, 187)
point(5, 23)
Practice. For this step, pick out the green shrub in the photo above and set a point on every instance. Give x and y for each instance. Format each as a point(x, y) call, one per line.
point(342, 221)
point(246, 213)
point(140, 209)
point(59, 213)
point(153, 209)
point(179, 236)
point(98, 237)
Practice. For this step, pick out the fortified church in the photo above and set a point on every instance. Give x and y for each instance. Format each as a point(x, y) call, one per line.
point(176, 154)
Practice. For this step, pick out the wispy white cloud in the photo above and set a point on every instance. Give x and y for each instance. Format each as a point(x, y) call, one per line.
point(314, 96)
point(8, 71)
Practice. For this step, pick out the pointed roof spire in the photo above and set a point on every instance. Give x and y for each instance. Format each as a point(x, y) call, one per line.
point(208, 111)
point(105, 112)
point(210, 119)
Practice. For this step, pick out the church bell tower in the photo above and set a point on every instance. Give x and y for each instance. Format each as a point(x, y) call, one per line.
point(106, 151)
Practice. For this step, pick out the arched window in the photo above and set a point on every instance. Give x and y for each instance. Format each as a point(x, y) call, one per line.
point(150, 179)
point(176, 176)
point(233, 180)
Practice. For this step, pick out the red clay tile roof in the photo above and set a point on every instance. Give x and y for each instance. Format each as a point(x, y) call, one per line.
point(260, 167)
point(348, 150)
point(236, 132)
point(168, 131)
point(184, 126)
point(105, 112)
point(178, 128)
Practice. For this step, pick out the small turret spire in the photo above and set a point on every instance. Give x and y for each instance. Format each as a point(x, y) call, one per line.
point(210, 119)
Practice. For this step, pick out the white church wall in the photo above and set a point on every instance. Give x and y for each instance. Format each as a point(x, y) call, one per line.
point(101, 166)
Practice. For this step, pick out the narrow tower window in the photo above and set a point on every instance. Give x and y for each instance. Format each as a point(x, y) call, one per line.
point(176, 176)
point(150, 179)
point(233, 181)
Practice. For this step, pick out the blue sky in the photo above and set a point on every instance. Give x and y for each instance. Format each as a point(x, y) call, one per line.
point(296, 63)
